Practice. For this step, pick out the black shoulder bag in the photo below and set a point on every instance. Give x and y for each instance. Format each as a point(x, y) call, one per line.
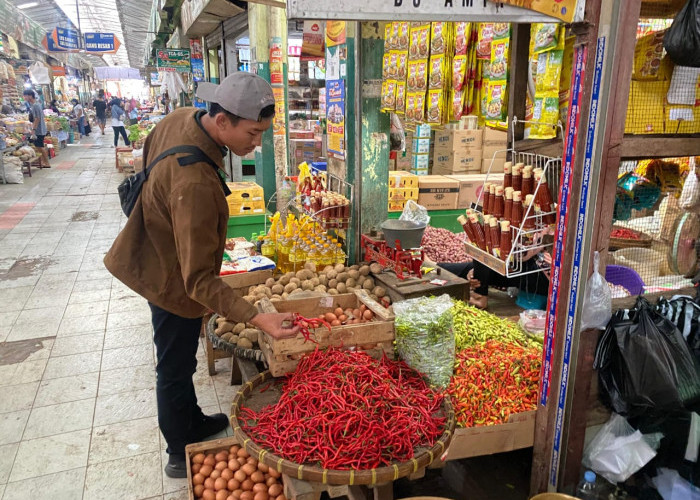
point(130, 189)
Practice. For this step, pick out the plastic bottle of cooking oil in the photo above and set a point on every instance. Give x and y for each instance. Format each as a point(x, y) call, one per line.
point(339, 254)
point(293, 253)
point(283, 250)
point(268, 248)
point(327, 257)
point(314, 255)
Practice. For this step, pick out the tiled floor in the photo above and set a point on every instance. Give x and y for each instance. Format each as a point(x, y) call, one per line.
point(77, 381)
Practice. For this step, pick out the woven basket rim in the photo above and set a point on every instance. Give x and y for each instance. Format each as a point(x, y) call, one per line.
point(239, 352)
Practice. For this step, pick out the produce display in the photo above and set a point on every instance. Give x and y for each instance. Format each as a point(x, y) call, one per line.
point(139, 131)
point(240, 334)
point(425, 338)
point(494, 380)
point(473, 325)
point(333, 280)
point(625, 234)
point(442, 245)
point(347, 410)
point(234, 475)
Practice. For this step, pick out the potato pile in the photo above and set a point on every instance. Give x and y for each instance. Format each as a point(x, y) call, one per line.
point(241, 334)
point(234, 475)
point(332, 280)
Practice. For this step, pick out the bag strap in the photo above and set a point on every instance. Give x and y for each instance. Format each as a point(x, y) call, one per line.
point(195, 155)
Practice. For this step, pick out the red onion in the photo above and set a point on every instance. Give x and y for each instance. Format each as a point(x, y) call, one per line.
point(442, 245)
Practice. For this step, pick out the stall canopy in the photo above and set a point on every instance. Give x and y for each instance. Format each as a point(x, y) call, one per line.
point(117, 73)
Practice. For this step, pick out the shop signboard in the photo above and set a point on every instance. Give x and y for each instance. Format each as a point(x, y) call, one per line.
point(50, 45)
point(14, 23)
point(101, 43)
point(335, 116)
point(65, 39)
point(197, 59)
point(423, 10)
point(312, 43)
point(174, 60)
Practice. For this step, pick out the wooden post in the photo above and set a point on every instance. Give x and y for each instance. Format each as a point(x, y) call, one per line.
point(519, 68)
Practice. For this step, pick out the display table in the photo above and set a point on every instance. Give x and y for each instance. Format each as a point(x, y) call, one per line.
point(399, 289)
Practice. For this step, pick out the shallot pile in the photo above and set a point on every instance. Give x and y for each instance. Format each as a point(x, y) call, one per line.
point(442, 245)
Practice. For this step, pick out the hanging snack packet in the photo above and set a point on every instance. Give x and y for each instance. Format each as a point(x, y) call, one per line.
point(436, 102)
point(483, 48)
point(412, 76)
point(438, 37)
point(422, 75)
point(401, 64)
point(549, 66)
point(389, 95)
point(414, 41)
point(462, 36)
point(501, 31)
point(459, 72)
point(403, 36)
point(437, 72)
point(424, 42)
point(546, 36)
point(496, 101)
point(457, 108)
point(388, 40)
point(546, 112)
point(648, 53)
point(410, 106)
point(400, 97)
point(419, 110)
point(386, 66)
point(498, 69)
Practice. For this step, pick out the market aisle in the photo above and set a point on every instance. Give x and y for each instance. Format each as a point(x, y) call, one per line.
point(77, 380)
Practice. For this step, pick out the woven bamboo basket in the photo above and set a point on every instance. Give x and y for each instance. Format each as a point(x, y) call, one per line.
point(239, 352)
point(370, 477)
point(644, 241)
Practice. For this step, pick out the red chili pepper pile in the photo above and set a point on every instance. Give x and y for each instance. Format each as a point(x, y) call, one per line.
point(493, 380)
point(346, 410)
point(305, 323)
point(626, 234)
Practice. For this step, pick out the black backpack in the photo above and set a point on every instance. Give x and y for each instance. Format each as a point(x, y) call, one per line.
point(130, 189)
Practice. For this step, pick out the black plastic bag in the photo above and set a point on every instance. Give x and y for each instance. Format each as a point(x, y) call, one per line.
point(644, 365)
point(684, 312)
point(682, 40)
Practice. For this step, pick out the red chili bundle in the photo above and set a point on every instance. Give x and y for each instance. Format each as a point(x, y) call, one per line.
point(305, 323)
point(493, 380)
point(626, 234)
point(346, 410)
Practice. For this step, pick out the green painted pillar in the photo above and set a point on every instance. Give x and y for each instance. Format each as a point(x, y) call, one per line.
point(375, 129)
point(352, 165)
point(277, 41)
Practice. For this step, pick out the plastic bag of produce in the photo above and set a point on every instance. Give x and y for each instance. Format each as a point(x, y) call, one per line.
point(690, 196)
point(425, 337)
point(597, 303)
point(618, 451)
point(644, 365)
point(682, 40)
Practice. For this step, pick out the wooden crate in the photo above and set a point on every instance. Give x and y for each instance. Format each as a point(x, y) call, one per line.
point(213, 446)
point(279, 353)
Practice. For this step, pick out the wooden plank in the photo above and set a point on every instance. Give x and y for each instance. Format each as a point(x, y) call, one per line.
point(486, 259)
point(374, 306)
point(517, 433)
point(640, 147)
point(551, 147)
point(519, 66)
point(455, 287)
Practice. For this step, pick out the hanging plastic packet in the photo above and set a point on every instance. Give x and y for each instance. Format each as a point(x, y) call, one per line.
point(459, 72)
point(389, 95)
point(483, 49)
point(410, 107)
point(597, 302)
point(462, 31)
point(546, 36)
point(438, 38)
point(435, 106)
point(401, 65)
point(457, 108)
point(403, 37)
point(419, 110)
point(400, 97)
point(437, 72)
point(549, 66)
point(421, 75)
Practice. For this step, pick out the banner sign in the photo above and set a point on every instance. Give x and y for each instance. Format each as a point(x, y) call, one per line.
point(197, 60)
point(174, 60)
point(65, 39)
point(101, 43)
point(335, 33)
point(335, 122)
point(50, 45)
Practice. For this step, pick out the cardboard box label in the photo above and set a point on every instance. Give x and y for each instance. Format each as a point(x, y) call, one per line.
point(436, 192)
point(451, 139)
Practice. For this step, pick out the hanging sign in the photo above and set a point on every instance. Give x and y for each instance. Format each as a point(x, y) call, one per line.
point(50, 45)
point(58, 71)
point(65, 39)
point(417, 10)
point(335, 119)
point(155, 81)
point(101, 43)
point(174, 60)
point(197, 60)
point(561, 9)
point(312, 42)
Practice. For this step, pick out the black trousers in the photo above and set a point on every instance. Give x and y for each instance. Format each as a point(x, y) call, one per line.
point(536, 283)
point(122, 131)
point(176, 340)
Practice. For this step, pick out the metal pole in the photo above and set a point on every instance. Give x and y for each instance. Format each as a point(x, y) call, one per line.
point(77, 11)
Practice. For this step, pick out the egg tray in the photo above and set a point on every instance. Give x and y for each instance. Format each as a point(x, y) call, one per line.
point(239, 352)
point(258, 393)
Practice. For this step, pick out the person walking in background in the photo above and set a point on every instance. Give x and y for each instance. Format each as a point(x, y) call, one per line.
point(100, 110)
point(118, 115)
point(166, 103)
point(79, 114)
point(38, 125)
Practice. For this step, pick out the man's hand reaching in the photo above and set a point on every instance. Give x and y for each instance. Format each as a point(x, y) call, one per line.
point(273, 324)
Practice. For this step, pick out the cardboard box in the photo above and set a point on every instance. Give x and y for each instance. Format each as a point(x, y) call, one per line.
point(420, 172)
point(518, 433)
point(244, 192)
point(454, 140)
point(497, 154)
point(301, 134)
point(470, 187)
point(455, 162)
point(399, 179)
point(242, 281)
point(138, 164)
point(422, 130)
point(420, 145)
point(420, 161)
point(437, 192)
point(493, 137)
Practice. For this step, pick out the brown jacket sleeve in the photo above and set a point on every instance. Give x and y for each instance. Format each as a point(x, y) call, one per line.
point(195, 225)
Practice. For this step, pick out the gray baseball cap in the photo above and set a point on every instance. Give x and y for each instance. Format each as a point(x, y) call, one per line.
point(243, 94)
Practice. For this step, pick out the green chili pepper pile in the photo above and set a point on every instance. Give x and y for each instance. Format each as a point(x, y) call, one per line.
point(472, 325)
point(494, 380)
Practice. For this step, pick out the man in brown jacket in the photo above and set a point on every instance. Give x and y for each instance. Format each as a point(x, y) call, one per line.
point(170, 250)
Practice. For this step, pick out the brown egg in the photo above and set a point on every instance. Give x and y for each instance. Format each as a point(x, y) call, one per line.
point(252, 461)
point(247, 495)
point(338, 311)
point(234, 449)
point(274, 473)
point(221, 465)
point(356, 313)
point(227, 474)
point(222, 495)
point(248, 469)
point(281, 497)
point(263, 467)
point(342, 318)
point(198, 458)
point(335, 322)
point(247, 485)
point(233, 484)
point(215, 474)
point(208, 494)
point(270, 481)
point(209, 484)
point(220, 484)
point(258, 477)
point(368, 315)
point(242, 453)
point(234, 465)
point(205, 470)
point(198, 490)
point(259, 487)
point(261, 495)
point(275, 490)
point(241, 460)
point(230, 497)
point(195, 468)
point(210, 460)
point(222, 455)
point(240, 475)
point(237, 494)
point(330, 317)
point(198, 479)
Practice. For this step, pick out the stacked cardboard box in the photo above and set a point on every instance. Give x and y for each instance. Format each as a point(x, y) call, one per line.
point(246, 198)
point(305, 150)
point(418, 149)
point(438, 192)
point(495, 146)
point(403, 186)
point(457, 151)
point(471, 186)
